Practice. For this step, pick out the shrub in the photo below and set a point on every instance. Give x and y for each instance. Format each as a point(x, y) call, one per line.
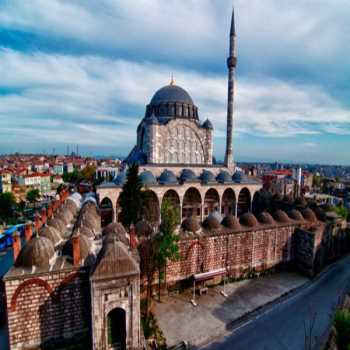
point(342, 326)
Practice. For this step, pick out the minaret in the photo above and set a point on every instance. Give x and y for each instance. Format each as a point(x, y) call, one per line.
point(231, 65)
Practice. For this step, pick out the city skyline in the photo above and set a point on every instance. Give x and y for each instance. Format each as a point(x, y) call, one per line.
point(84, 73)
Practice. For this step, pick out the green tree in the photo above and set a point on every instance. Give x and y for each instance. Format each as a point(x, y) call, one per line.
point(342, 326)
point(7, 205)
point(131, 197)
point(88, 173)
point(342, 211)
point(168, 248)
point(33, 195)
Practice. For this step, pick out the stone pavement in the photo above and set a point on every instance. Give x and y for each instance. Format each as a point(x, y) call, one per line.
point(180, 321)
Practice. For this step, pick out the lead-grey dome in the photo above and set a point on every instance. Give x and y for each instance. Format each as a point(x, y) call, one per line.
point(171, 93)
point(167, 178)
point(169, 102)
point(188, 175)
point(147, 178)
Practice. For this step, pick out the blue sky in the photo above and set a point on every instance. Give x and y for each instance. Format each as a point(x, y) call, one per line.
point(81, 72)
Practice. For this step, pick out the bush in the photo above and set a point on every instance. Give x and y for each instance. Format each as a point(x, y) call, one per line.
point(342, 326)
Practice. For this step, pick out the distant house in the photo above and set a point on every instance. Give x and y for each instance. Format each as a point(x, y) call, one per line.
point(40, 181)
point(58, 169)
point(5, 182)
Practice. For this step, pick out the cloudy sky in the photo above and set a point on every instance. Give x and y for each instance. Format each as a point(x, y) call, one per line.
point(82, 71)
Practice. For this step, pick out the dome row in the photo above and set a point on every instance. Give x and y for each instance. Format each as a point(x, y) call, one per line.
point(213, 221)
point(187, 175)
point(40, 249)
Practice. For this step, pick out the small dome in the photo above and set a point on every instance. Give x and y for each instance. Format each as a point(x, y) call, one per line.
point(58, 224)
point(309, 215)
point(207, 177)
point(120, 179)
point(224, 177)
point(237, 177)
point(187, 175)
point(208, 125)
point(86, 231)
point(300, 202)
point(171, 93)
point(295, 215)
point(281, 216)
point(71, 205)
point(248, 219)
point(167, 178)
point(84, 244)
point(266, 218)
point(37, 252)
point(65, 216)
point(277, 197)
point(231, 222)
point(115, 229)
point(320, 214)
point(51, 233)
point(147, 178)
point(211, 222)
point(191, 224)
point(143, 228)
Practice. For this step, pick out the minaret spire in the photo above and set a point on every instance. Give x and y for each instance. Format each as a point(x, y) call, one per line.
point(231, 65)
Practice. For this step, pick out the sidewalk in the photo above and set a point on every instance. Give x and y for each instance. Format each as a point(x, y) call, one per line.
point(180, 321)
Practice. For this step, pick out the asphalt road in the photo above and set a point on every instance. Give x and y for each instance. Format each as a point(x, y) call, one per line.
point(282, 326)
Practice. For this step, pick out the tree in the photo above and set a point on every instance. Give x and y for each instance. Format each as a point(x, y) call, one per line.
point(7, 205)
point(88, 173)
point(131, 197)
point(156, 250)
point(168, 239)
point(33, 195)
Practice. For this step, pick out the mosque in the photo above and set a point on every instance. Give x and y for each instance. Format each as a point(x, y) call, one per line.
point(76, 280)
point(174, 149)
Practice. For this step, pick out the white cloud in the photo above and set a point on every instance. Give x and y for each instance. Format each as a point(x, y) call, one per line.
point(97, 101)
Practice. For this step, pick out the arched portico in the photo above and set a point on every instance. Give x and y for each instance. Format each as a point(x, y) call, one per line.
point(151, 207)
point(244, 201)
point(173, 197)
point(228, 202)
point(211, 201)
point(192, 203)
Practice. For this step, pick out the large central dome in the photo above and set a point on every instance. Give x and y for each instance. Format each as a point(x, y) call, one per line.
point(171, 101)
point(171, 93)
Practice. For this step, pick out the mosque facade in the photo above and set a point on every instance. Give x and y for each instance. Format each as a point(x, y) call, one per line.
point(174, 150)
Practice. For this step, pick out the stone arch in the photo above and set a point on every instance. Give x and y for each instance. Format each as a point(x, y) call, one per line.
point(228, 202)
point(192, 203)
point(65, 282)
point(211, 201)
point(244, 201)
point(174, 199)
point(116, 328)
point(38, 281)
point(151, 207)
point(257, 205)
point(106, 210)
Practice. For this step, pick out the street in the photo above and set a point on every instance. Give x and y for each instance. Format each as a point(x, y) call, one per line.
point(282, 326)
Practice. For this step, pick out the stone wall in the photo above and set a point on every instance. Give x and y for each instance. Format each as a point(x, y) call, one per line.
point(47, 308)
point(242, 252)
